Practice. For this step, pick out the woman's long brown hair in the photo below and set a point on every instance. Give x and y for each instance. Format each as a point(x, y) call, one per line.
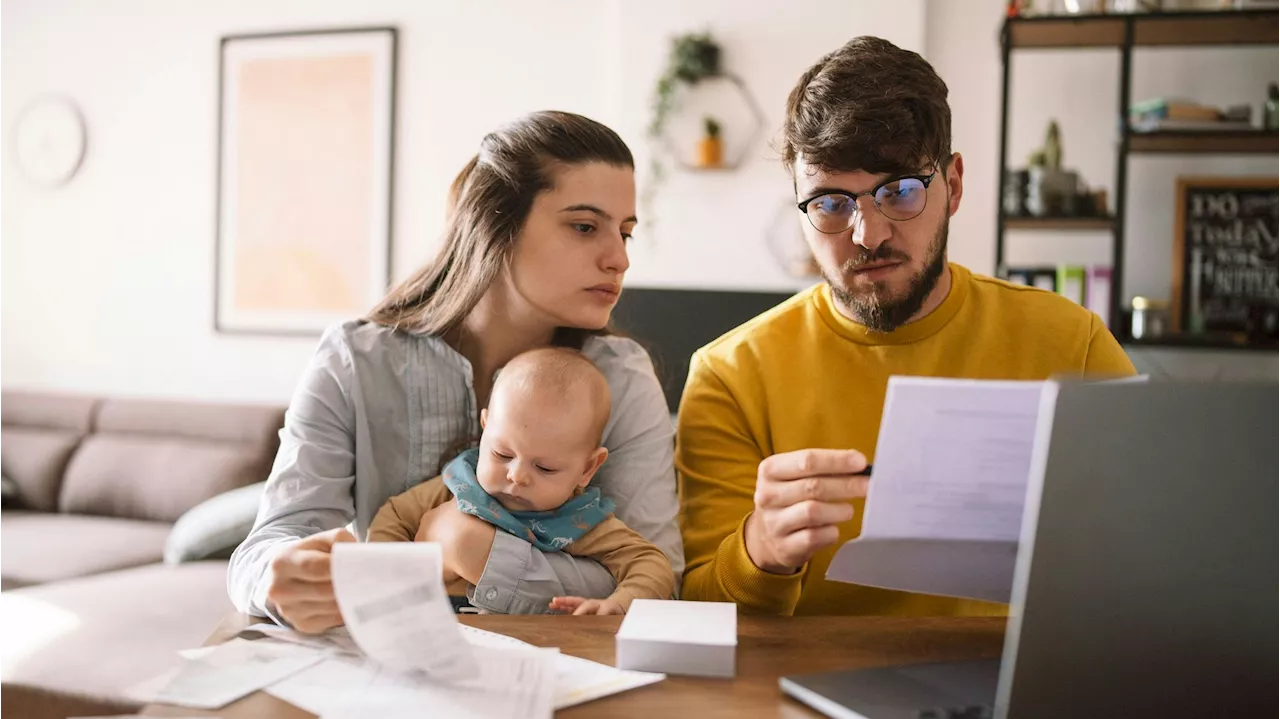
point(490, 201)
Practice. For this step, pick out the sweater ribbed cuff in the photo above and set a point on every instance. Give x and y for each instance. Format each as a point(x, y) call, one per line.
point(752, 588)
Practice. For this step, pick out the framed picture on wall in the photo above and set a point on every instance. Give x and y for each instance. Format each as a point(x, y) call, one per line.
point(1224, 258)
point(306, 139)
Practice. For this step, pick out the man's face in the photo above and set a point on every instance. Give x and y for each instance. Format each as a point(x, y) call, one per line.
point(882, 271)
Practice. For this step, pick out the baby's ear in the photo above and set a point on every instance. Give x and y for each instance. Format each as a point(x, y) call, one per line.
point(596, 459)
point(484, 417)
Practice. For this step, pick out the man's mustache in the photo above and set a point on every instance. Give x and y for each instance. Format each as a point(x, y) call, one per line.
point(883, 253)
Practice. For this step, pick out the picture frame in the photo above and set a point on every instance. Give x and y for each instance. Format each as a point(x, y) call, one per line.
point(305, 172)
point(1224, 258)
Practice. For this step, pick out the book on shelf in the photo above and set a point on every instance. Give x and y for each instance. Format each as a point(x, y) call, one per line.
point(1071, 282)
point(1164, 109)
point(1045, 278)
point(1145, 125)
point(1097, 294)
point(1086, 286)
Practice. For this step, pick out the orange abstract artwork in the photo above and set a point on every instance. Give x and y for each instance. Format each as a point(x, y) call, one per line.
point(303, 184)
point(304, 188)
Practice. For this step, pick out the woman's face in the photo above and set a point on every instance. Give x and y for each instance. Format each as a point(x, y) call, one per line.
point(570, 257)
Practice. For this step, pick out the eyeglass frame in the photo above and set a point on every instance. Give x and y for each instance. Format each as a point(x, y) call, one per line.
point(925, 180)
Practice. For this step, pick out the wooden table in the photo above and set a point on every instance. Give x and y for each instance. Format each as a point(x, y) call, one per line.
point(768, 647)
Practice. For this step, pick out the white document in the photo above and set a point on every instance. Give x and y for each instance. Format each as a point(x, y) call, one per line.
point(952, 459)
point(511, 684)
point(578, 680)
point(581, 680)
point(944, 508)
point(394, 604)
point(337, 639)
point(325, 687)
point(228, 672)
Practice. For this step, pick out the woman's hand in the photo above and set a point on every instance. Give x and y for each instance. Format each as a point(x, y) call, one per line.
point(579, 606)
point(465, 541)
point(301, 584)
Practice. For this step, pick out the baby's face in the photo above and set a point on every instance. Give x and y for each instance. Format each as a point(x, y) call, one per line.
point(534, 454)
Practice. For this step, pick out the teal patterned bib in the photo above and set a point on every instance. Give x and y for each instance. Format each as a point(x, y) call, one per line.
point(551, 531)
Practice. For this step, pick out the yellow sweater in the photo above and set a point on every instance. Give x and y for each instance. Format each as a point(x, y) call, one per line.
point(803, 376)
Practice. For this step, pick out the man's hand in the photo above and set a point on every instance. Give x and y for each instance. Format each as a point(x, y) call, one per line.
point(800, 498)
point(301, 584)
point(579, 606)
point(465, 541)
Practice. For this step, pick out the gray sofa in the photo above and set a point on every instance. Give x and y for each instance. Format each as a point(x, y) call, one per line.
point(100, 492)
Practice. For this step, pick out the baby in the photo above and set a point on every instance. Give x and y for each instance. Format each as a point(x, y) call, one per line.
point(539, 449)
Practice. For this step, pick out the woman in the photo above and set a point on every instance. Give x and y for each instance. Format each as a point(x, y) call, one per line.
point(534, 254)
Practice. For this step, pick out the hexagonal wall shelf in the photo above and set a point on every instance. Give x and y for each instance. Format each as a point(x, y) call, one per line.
point(737, 109)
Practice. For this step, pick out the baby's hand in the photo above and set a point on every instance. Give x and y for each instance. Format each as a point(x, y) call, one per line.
point(579, 606)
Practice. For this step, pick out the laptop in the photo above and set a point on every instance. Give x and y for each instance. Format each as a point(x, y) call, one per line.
point(1146, 578)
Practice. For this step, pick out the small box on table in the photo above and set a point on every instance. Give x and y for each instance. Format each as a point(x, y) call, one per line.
point(673, 637)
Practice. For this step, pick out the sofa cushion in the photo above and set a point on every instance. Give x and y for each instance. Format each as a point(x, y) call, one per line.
point(254, 425)
point(40, 432)
point(98, 636)
point(156, 460)
point(154, 478)
point(215, 527)
point(41, 409)
point(35, 460)
point(39, 547)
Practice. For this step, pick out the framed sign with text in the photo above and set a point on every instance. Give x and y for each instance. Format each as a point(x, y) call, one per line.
point(1224, 258)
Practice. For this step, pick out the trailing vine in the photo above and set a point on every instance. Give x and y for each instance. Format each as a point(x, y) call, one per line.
point(693, 57)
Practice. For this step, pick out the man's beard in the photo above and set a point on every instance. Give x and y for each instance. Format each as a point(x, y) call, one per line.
point(876, 311)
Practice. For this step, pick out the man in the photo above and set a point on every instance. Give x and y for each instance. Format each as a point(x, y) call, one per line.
point(780, 415)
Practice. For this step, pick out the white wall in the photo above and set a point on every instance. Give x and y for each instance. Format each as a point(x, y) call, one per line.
point(1080, 88)
point(108, 282)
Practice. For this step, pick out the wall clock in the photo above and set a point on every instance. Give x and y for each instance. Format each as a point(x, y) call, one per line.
point(49, 141)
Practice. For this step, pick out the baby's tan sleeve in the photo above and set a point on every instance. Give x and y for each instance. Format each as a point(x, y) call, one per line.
point(399, 518)
point(641, 570)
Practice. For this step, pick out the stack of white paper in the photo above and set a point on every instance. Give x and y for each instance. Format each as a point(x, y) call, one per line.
point(695, 638)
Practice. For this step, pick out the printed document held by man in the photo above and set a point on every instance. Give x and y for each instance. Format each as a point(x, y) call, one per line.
point(944, 509)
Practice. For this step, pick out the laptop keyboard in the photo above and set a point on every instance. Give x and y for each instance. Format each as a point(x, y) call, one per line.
point(972, 711)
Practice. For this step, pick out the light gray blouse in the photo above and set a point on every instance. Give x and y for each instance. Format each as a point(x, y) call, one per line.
point(372, 417)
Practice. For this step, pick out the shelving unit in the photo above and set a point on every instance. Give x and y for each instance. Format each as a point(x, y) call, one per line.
point(1193, 342)
point(1124, 33)
point(1059, 223)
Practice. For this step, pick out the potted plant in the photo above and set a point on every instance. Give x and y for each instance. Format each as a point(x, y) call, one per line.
point(710, 148)
point(693, 58)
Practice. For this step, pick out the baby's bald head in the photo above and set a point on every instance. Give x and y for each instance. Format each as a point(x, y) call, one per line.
point(560, 380)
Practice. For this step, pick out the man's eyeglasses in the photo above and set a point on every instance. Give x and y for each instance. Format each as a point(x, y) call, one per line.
point(898, 198)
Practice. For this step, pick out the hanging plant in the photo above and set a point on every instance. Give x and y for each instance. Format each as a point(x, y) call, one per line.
point(694, 57)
